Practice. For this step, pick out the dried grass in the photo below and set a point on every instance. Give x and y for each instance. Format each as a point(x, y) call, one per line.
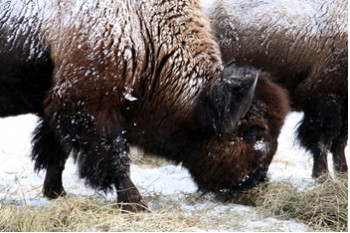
point(192, 212)
point(322, 208)
point(139, 158)
point(89, 214)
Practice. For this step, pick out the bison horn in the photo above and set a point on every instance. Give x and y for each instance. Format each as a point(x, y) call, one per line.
point(228, 99)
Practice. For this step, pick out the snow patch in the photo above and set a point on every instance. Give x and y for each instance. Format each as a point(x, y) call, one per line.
point(261, 146)
point(129, 97)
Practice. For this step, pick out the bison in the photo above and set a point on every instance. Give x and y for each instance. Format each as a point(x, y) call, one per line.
point(303, 44)
point(107, 75)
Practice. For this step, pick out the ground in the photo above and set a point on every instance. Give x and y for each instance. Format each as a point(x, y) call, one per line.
point(162, 186)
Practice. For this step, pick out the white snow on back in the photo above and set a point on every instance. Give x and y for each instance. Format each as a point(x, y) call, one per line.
point(207, 5)
point(280, 14)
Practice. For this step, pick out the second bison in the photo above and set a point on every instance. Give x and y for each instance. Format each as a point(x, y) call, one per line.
point(304, 45)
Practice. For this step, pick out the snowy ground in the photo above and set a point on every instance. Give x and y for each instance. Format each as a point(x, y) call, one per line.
point(18, 181)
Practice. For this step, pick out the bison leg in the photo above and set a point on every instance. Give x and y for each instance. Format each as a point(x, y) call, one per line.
point(128, 193)
point(320, 126)
point(339, 159)
point(53, 186)
point(320, 165)
point(106, 164)
point(98, 142)
point(338, 148)
point(109, 165)
point(48, 154)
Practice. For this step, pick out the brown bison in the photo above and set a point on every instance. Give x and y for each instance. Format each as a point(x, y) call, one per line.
point(107, 75)
point(303, 44)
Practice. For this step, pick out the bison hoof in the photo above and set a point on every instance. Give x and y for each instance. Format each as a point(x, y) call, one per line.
point(131, 201)
point(134, 207)
point(54, 192)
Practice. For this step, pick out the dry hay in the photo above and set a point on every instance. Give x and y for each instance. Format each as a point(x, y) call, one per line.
point(142, 160)
point(324, 207)
point(77, 214)
point(191, 212)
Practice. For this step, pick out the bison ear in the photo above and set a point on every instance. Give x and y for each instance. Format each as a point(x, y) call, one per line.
point(228, 99)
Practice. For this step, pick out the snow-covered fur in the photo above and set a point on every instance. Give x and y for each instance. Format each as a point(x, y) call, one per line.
point(304, 45)
point(120, 73)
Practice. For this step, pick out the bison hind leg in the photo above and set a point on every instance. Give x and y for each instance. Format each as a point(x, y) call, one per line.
point(318, 129)
point(339, 144)
point(48, 153)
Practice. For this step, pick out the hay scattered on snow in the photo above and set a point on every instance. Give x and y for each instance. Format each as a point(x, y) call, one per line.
point(88, 214)
point(139, 158)
point(324, 207)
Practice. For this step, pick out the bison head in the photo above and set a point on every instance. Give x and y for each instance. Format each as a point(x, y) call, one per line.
point(239, 157)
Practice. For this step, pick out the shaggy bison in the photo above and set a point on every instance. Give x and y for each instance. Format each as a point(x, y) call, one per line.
point(304, 45)
point(106, 75)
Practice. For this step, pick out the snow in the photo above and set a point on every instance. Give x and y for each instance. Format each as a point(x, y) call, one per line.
point(19, 183)
point(129, 97)
point(261, 145)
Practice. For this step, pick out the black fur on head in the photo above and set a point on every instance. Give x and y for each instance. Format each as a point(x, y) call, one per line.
point(228, 99)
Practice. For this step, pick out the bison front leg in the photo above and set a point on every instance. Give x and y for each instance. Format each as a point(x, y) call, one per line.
point(106, 164)
point(98, 141)
point(129, 198)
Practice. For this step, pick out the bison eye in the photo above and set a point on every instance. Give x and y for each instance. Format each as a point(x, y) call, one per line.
point(249, 137)
point(254, 134)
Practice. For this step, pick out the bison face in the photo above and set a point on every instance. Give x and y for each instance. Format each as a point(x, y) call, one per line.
point(240, 158)
point(234, 161)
